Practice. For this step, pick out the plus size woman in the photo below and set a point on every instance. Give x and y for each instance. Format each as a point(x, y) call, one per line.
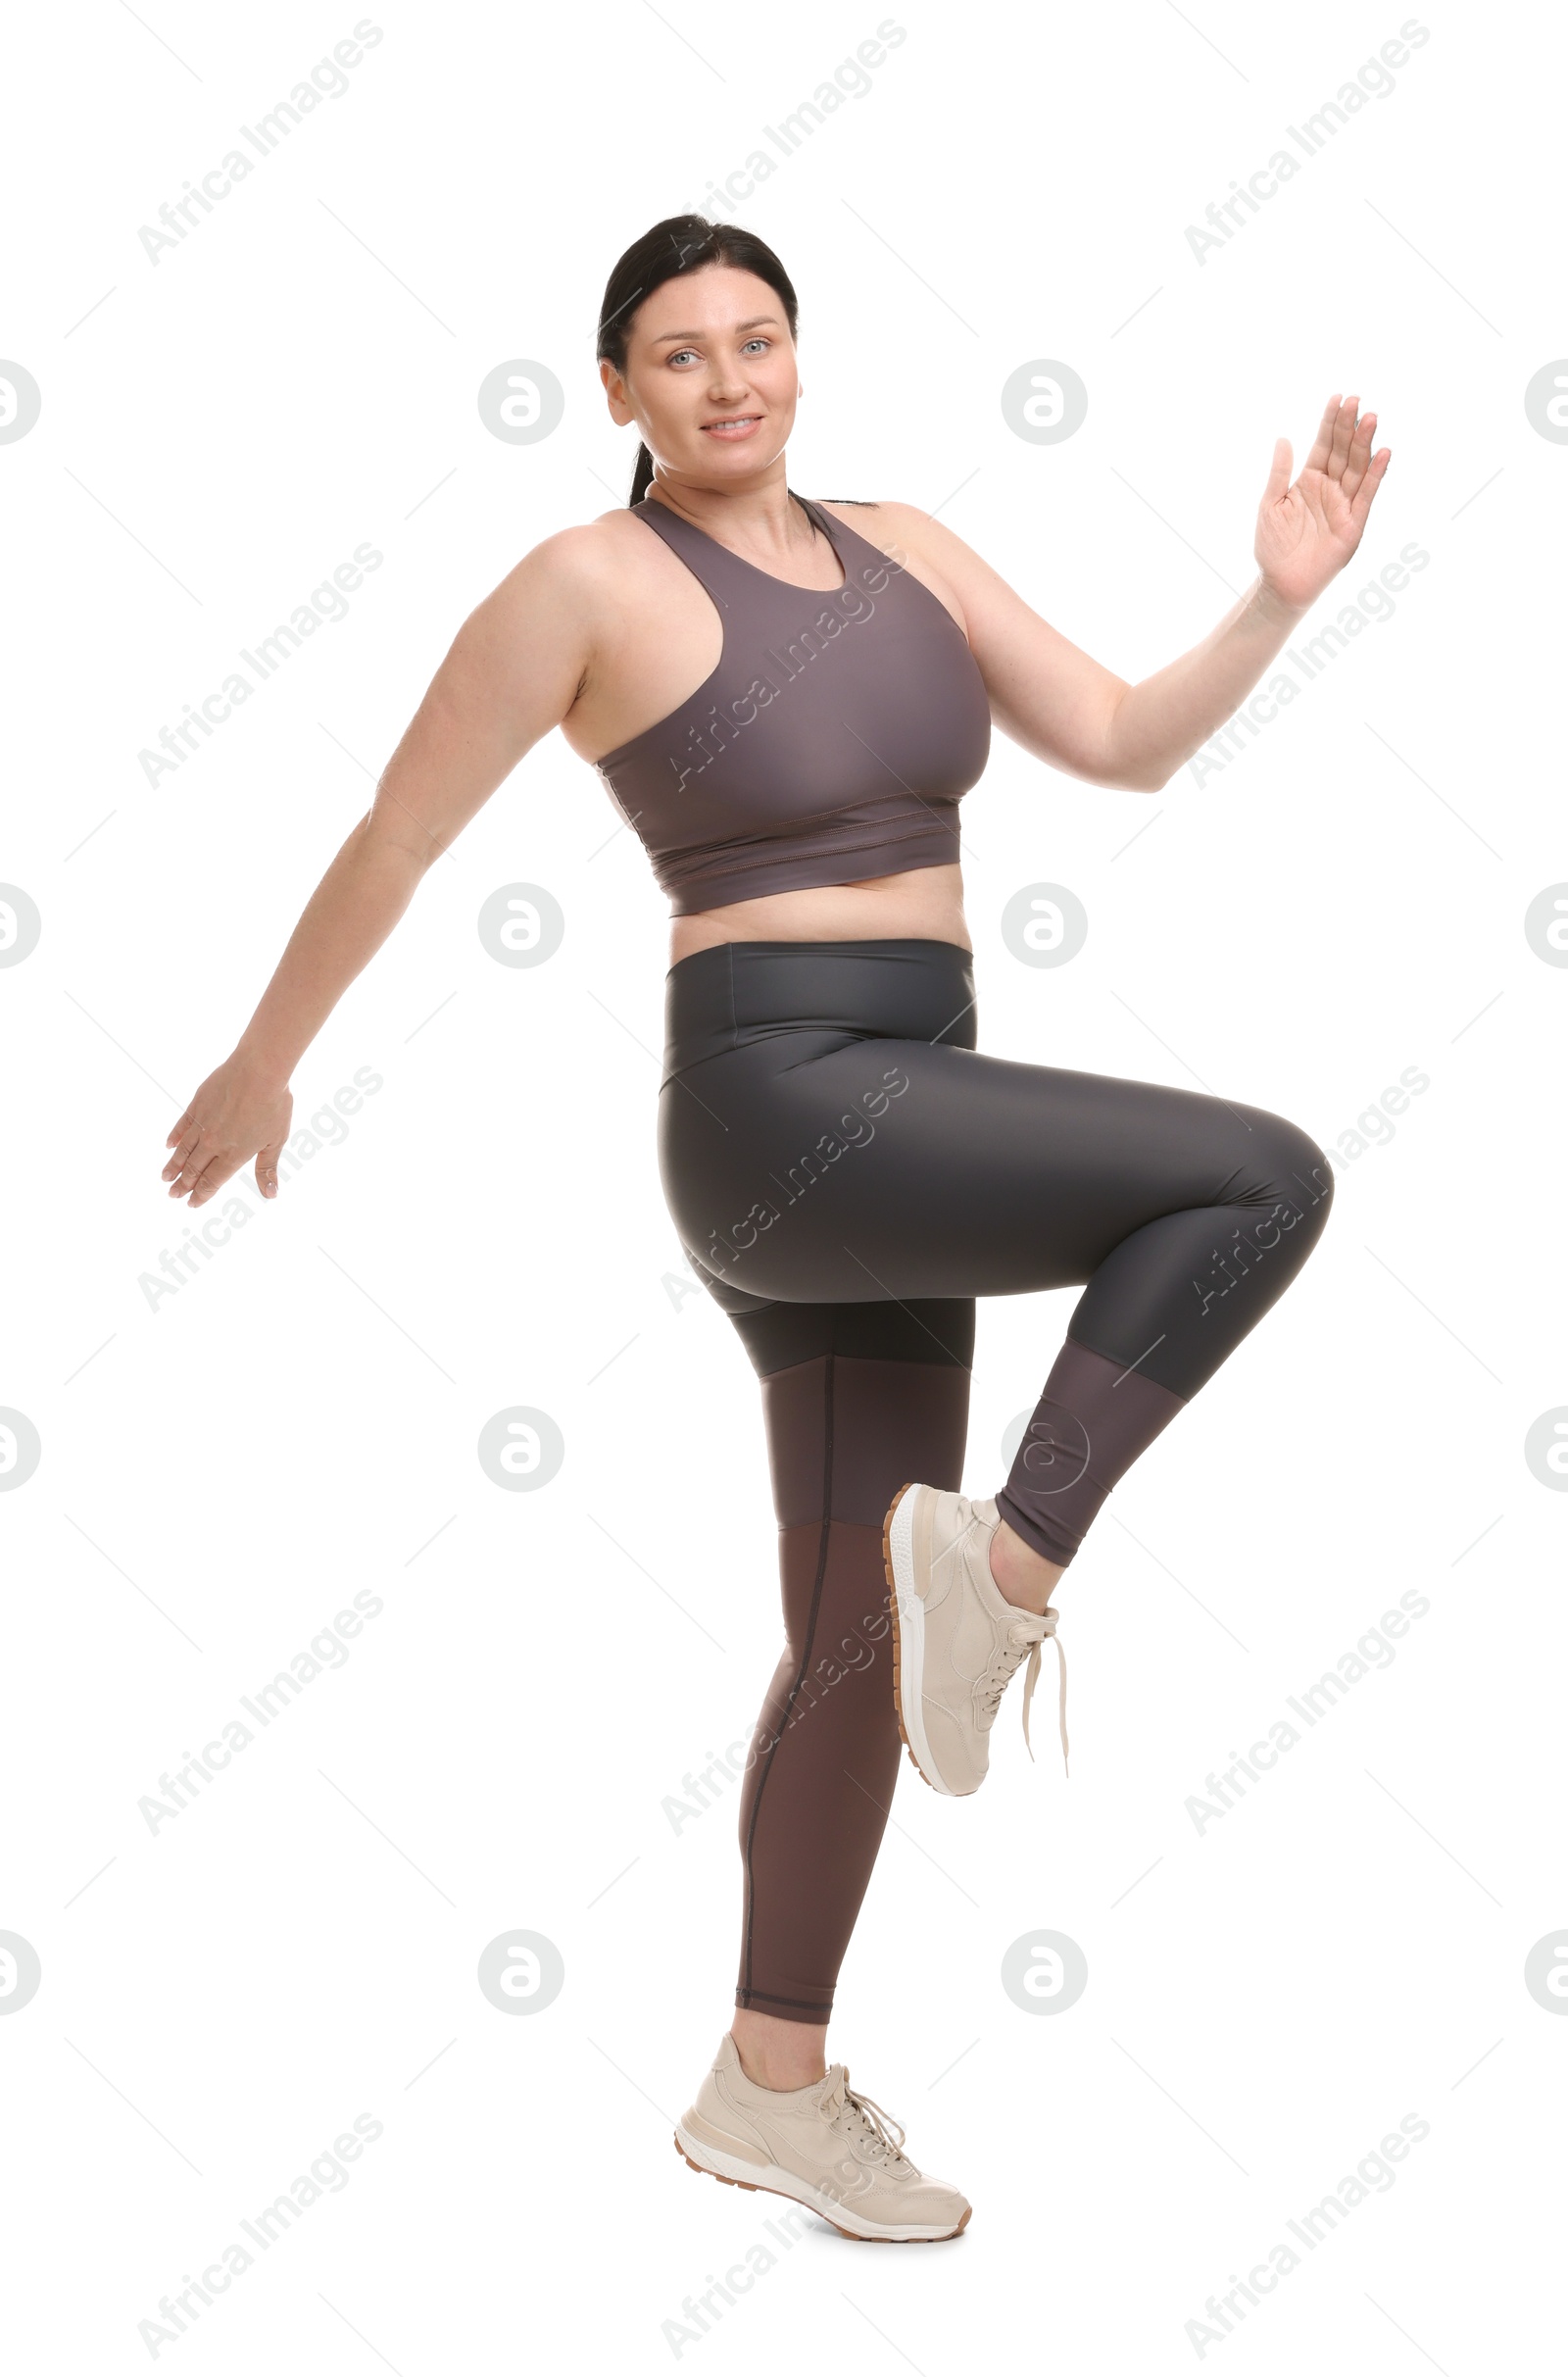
point(787, 701)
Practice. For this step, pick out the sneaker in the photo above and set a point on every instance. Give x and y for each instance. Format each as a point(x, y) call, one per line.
point(825, 2146)
point(956, 1640)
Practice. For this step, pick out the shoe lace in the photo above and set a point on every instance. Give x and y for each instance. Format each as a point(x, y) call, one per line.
point(1021, 1636)
point(862, 2116)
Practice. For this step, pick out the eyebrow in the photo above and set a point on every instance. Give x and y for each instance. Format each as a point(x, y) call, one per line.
point(755, 323)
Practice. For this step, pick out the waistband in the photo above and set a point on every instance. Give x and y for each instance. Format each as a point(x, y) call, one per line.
point(739, 992)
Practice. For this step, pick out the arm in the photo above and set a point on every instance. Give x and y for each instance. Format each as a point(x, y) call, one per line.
point(1067, 709)
point(513, 673)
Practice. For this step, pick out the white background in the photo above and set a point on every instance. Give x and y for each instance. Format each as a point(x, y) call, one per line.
point(298, 1421)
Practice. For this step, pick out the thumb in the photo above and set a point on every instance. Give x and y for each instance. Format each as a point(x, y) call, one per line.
point(1279, 477)
point(267, 1167)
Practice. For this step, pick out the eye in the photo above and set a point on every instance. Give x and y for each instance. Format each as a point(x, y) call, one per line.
point(758, 340)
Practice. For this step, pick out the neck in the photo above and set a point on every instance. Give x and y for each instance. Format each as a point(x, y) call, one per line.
point(762, 517)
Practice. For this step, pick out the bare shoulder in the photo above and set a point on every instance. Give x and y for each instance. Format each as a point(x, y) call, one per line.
point(579, 563)
point(895, 523)
point(910, 536)
point(921, 543)
point(878, 522)
point(572, 588)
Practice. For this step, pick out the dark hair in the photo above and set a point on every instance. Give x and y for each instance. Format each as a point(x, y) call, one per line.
point(681, 243)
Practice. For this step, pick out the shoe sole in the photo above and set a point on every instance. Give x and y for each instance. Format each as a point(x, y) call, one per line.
point(780, 2182)
point(908, 1639)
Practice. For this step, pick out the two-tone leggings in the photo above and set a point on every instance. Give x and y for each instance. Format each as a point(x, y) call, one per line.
point(848, 1175)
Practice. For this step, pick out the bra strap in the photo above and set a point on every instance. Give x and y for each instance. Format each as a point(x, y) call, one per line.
point(819, 519)
point(720, 573)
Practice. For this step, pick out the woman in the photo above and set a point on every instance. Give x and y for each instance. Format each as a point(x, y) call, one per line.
point(787, 701)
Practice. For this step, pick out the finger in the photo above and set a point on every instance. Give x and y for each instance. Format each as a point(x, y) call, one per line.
point(267, 1167)
point(198, 1166)
point(191, 1139)
point(220, 1168)
point(185, 1167)
point(1360, 453)
point(1370, 483)
point(1343, 429)
point(1279, 476)
point(1319, 455)
point(182, 1129)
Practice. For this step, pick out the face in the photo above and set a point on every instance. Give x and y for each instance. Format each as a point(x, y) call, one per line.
point(710, 378)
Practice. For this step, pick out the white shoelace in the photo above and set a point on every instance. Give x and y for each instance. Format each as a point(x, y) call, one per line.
point(878, 2130)
point(1019, 1639)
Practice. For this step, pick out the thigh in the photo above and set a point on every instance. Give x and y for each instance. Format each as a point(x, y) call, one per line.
point(810, 1168)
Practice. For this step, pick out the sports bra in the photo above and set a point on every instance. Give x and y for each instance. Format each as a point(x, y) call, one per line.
point(833, 741)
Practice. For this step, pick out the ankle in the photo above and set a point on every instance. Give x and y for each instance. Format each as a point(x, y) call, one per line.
point(778, 2054)
point(1021, 1574)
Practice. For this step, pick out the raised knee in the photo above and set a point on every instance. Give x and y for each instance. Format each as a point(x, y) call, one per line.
point(1297, 1172)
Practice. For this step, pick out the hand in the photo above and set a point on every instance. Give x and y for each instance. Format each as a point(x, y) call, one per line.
point(1306, 533)
point(231, 1117)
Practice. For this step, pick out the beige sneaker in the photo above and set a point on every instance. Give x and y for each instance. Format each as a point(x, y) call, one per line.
point(825, 2146)
point(956, 1640)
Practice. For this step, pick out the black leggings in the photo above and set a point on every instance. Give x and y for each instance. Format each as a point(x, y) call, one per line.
point(848, 1175)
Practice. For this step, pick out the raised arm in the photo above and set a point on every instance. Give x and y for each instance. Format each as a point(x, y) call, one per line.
point(1067, 709)
point(511, 674)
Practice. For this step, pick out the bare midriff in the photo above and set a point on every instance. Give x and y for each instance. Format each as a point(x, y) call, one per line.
point(925, 903)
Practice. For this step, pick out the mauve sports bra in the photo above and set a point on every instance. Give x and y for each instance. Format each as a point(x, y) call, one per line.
point(833, 742)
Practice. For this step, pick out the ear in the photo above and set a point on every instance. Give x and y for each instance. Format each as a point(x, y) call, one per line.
point(614, 387)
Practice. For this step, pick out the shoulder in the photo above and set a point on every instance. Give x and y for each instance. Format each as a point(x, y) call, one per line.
point(903, 532)
point(875, 522)
point(580, 572)
point(916, 541)
point(589, 553)
point(857, 511)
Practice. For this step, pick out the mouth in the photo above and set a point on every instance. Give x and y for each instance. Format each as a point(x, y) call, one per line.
point(731, 426)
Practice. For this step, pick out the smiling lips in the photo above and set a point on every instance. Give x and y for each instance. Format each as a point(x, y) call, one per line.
point(732, 425)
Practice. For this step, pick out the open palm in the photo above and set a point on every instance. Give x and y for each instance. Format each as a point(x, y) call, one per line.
point(1309, 531)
